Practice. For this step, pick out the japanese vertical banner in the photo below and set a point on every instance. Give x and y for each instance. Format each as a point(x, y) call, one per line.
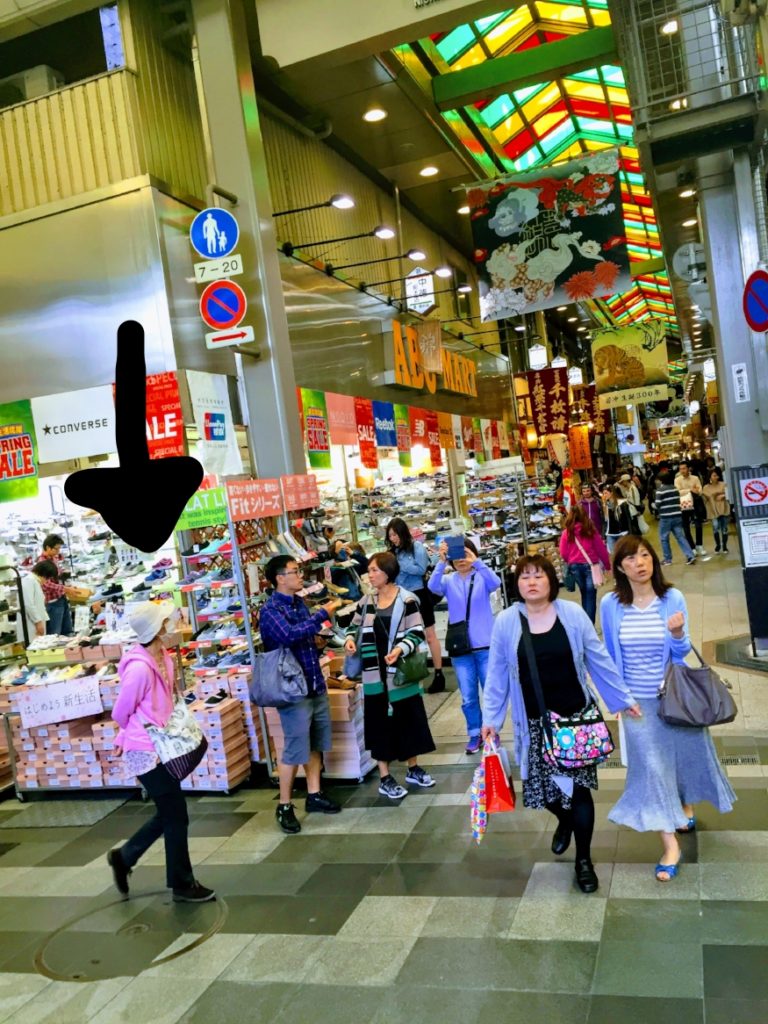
point(495, 442)
point(403, 429)
point(445, 423)
point(586, 396)
point(468, 433)
point(578, 444)
point(477, 442)
point(418, 419)
point(504, 438)
point(430, 338)
point(165, 423)
point(316, 434)
point(549, 400)
point(433, 439)
point(366, 433)
point(341, 418)
point(525, 451)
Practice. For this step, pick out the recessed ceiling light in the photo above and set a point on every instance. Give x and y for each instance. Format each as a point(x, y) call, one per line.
point(464, 289)
point(443, 272)
point(572, 319)
point(416, 255)
point(382, 231)
point(342, 201)
point(374, 114)
point(581, 328)
point(690, 223)
point(669, 27)
point(463, 210)
point(429, 171)
point(561, 309)
point(687, 193)
point(520, 328)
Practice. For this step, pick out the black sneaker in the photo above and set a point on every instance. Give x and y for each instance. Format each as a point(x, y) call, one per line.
point(390, 787)
point(287, 820)
point(319, 802)
point(195, 894)
point(416, 776)
point(438, 682)
point(119, 871)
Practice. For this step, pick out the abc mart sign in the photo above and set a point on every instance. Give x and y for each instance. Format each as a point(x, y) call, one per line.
point(459, 374)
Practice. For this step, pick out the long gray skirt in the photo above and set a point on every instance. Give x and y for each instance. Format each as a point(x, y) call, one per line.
point(667, 766)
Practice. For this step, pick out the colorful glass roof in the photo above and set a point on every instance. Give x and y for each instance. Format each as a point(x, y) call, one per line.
point(553, 121)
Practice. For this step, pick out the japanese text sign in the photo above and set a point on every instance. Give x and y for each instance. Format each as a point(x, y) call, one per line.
point(253, 499)
point(578, 443)
point(60, 702)
point(433, 439)
point(18, 459)
point(549, 400)
point(300, 492)
point(341, 418)
point(366, 433)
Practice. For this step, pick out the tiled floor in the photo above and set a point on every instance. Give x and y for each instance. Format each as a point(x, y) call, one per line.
point(389, 914)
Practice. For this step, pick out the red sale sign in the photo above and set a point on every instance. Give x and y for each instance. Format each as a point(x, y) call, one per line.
point(366, 433)
point(254, 499)
point(300, 492)
point(433, 439)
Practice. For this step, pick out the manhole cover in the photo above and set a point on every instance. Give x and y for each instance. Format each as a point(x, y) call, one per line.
point(125, 937)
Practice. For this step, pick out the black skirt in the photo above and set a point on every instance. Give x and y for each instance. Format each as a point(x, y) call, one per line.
point(540, 788)
point(401, 736)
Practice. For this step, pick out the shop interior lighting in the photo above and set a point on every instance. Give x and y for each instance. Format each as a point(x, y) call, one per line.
point(520, 328)
point(463, 210)
point(378, 232)
point(429, 171)
point(690, 223)
point(417, 255)
point(561, 309)
point(443, 272)
point(669, 27)
point(680, 104)
point(572, 319)
point(374, 114)
point(581, 328)
point(464, 289)
point(687, 193)
point(341, 201)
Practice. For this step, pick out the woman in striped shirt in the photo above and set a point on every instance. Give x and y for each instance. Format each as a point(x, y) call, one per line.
point(670, 768)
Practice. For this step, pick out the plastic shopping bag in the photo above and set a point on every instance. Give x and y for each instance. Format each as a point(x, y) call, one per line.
point(478, 814)
point(499, 795)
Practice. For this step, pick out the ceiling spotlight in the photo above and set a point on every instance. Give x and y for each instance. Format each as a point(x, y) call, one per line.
point(581, 328)
point(463, 210)
point(669, 28)
point(342, 201)
point(416, 255)
point(464, 289)
point(374, 114)
point(443, 272)
point(382, 231)
point(680, 104)
point(572, 319)
point(690, 223)
point(561, 309)
point(520, 328)
point(687, 193)
point(429, 171)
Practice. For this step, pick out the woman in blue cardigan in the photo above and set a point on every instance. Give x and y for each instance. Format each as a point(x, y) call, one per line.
point(669, 768)
point(566, 647)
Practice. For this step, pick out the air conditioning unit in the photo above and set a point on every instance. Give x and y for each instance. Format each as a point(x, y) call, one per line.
point(29, 84)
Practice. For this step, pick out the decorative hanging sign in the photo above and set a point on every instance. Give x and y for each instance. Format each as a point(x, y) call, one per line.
point(549, 400)
point(631, 363)
point(165, 423)
point(459, 373)
point(300, 491)
point(384, 424)
point(578, 445)
point(316, 435)
point(205, 508)
point(495, 443)
point(418, 418)
point(433, 439)
point(551, 236)
point(445, 425)
point(217, 448)
point(403, 429)
point(366, 433)
point(341, 418)
point(430, 340)
point(253, 499)
point(600, 419)
point(468, 433)
point(75, 424)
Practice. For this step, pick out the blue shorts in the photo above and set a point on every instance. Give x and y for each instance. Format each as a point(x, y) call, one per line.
point(306, 727)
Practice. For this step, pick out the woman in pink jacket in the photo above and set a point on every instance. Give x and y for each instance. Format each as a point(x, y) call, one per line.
point(582, 547)
point(146, 697)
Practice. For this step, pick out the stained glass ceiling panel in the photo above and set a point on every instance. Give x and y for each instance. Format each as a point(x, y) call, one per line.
point(554, 121)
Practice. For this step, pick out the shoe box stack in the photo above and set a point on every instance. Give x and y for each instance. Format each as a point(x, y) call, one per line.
point(348, 758)
point(112, 765)
point(235, 685)
point(227, 762)
point(61, 755)
point(6, 774)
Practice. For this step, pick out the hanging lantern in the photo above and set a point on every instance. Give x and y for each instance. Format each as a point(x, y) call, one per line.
point(537, 357)
point(558, 362)
point(575, 376)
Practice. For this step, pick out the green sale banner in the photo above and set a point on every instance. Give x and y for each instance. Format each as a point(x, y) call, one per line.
point(403, 429)
point(18, 452)
point(316, 434)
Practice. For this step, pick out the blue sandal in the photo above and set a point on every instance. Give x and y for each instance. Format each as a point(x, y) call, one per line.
point(690, 827)
point(670, 869)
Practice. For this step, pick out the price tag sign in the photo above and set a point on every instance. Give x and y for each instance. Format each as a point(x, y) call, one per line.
point(60, 702)
point(254, 499)
point(300, 492)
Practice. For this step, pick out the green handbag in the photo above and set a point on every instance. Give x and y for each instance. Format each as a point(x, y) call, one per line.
point(411, 668)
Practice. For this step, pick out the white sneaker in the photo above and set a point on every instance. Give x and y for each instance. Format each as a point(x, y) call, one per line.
point(700, 550)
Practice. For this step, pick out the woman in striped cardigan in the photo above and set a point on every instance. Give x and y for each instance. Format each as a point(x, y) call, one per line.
point(396, 726)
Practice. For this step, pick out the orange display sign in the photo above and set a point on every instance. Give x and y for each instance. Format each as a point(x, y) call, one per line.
point(445, 425)
point(578, 444)
point(300, 491)
point(254, 499)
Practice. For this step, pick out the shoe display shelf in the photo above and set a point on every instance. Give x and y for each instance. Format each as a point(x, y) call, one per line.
point(424, 502)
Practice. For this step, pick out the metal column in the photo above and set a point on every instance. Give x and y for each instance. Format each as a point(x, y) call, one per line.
point(237, 165)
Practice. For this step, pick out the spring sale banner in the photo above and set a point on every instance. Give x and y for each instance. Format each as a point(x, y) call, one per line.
point(316, 434)
point(18, 452)
point(551, 236)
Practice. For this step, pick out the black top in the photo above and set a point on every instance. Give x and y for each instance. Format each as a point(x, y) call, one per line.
point(381, 625)
point(559, 682)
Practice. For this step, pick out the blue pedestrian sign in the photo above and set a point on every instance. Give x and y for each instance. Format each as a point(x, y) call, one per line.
point(214, 233)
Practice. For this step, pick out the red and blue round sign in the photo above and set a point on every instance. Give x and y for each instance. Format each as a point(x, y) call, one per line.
point(756, 301)
point(223, 304)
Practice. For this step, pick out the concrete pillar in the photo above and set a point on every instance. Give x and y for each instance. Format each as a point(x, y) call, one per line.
point(237, 163)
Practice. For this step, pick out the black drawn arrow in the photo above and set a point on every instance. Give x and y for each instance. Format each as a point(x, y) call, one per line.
point(141, 501)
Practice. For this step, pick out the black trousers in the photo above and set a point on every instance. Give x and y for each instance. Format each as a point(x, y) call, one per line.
point(690, 517)
point(171, 821)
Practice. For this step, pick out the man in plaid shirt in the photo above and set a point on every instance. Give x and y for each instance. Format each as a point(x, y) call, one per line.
point(285, 621)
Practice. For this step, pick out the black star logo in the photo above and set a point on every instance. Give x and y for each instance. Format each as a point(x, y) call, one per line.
point(46, 430)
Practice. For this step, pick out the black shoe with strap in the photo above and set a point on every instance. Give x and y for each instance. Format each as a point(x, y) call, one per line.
point(586, 879)
point(196, 893)
point(287, 820)
point(320, 803)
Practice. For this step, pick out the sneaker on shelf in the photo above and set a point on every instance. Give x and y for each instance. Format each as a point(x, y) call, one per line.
point(391, 788)
point(320, 803)
point(142, 587)
point(416, 776)
point(287, 820)
point(164, 563)
point(196, 893)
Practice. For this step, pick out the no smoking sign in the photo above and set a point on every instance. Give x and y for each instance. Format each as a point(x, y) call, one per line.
point(754, 492)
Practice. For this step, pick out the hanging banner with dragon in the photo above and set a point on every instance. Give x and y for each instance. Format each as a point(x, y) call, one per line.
point(630, 363)
point(551, 236)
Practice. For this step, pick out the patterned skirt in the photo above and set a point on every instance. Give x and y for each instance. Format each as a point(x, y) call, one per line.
point(540, 788)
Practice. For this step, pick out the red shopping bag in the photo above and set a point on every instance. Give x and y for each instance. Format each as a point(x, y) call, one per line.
point(499, 792)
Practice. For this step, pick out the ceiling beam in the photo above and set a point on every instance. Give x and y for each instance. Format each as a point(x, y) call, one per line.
point(527, 67)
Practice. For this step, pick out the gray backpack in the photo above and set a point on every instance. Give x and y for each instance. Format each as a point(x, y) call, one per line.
point(278, 679)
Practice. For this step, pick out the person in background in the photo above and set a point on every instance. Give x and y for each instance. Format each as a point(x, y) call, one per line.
point(413, 559)
point(671, 518)
point(35, 609)
point(468, 591)
point(566, 648)
point(395, 720)
point(581, 547)
point(56, 592)
point(358, 556)
point(146, 696)
point(341, 575)
point(631, 492)
point(285, 621)
point(593, 507)
point(670, 768)
point(620, 520)
point(691, 505)
point(718, 508)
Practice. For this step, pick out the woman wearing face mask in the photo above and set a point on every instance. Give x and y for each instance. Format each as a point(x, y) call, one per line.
point(413, 560)
point(670, 768)
point(469, 590)
point(146, 697)
point(566, 647)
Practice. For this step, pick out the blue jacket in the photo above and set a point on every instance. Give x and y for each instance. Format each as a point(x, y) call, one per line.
point(413, 566)
point(612, 613)
point(502, 684)
point(456, 589)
